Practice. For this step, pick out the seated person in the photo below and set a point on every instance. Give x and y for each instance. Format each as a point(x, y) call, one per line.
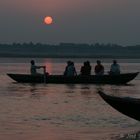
point(86, 69)
point(70, 69)
point(115, 68)
point(99, 68)
point(34, 68)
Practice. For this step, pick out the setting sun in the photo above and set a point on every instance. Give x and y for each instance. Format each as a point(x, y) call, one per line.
point(48, 20)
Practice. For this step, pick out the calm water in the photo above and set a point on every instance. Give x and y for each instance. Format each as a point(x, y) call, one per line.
point(62, 112)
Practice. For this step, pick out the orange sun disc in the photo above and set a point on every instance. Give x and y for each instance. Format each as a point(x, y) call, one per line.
point(48, 20)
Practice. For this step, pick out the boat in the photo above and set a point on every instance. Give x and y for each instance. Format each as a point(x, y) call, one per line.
point(126, 105)
point(61, 79)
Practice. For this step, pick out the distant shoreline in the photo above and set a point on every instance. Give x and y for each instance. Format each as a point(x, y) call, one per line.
point(70, 50)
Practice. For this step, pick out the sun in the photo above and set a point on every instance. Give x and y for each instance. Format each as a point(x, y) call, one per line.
point(48, 20)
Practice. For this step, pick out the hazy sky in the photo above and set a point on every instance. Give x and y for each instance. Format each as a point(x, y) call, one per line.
point(77, 21)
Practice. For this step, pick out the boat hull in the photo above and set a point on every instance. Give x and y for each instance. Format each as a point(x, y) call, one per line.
point(60, 79)
point(128, 106)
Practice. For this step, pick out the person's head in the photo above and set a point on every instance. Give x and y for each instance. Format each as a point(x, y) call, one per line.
point(114, 62)
point(85, 63)
point(32, 62)
point(72, 63)
point(98, 62)
point(88, 63)
point(68, 62)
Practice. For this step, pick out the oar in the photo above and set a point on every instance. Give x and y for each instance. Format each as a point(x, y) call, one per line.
point(44, 74)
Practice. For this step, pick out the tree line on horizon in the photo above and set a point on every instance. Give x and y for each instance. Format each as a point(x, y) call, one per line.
point(69, 50)
point(31, 44)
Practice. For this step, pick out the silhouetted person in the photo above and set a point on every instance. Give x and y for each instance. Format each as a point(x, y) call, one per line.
point(115, 68)
point(86, 68)
point(70, 69)
point(34, 68)
point(66, 69)
point(99, 68)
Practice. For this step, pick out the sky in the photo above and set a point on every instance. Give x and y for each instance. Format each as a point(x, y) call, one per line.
point(74, 21)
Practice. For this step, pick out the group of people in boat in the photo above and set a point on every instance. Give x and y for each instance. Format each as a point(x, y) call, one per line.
point(85, 70)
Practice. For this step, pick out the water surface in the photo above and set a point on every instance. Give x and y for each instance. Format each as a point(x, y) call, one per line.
point(62, 111)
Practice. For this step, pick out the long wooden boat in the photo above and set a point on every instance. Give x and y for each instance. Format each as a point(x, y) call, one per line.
point(60, 79)
point(126, 105)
